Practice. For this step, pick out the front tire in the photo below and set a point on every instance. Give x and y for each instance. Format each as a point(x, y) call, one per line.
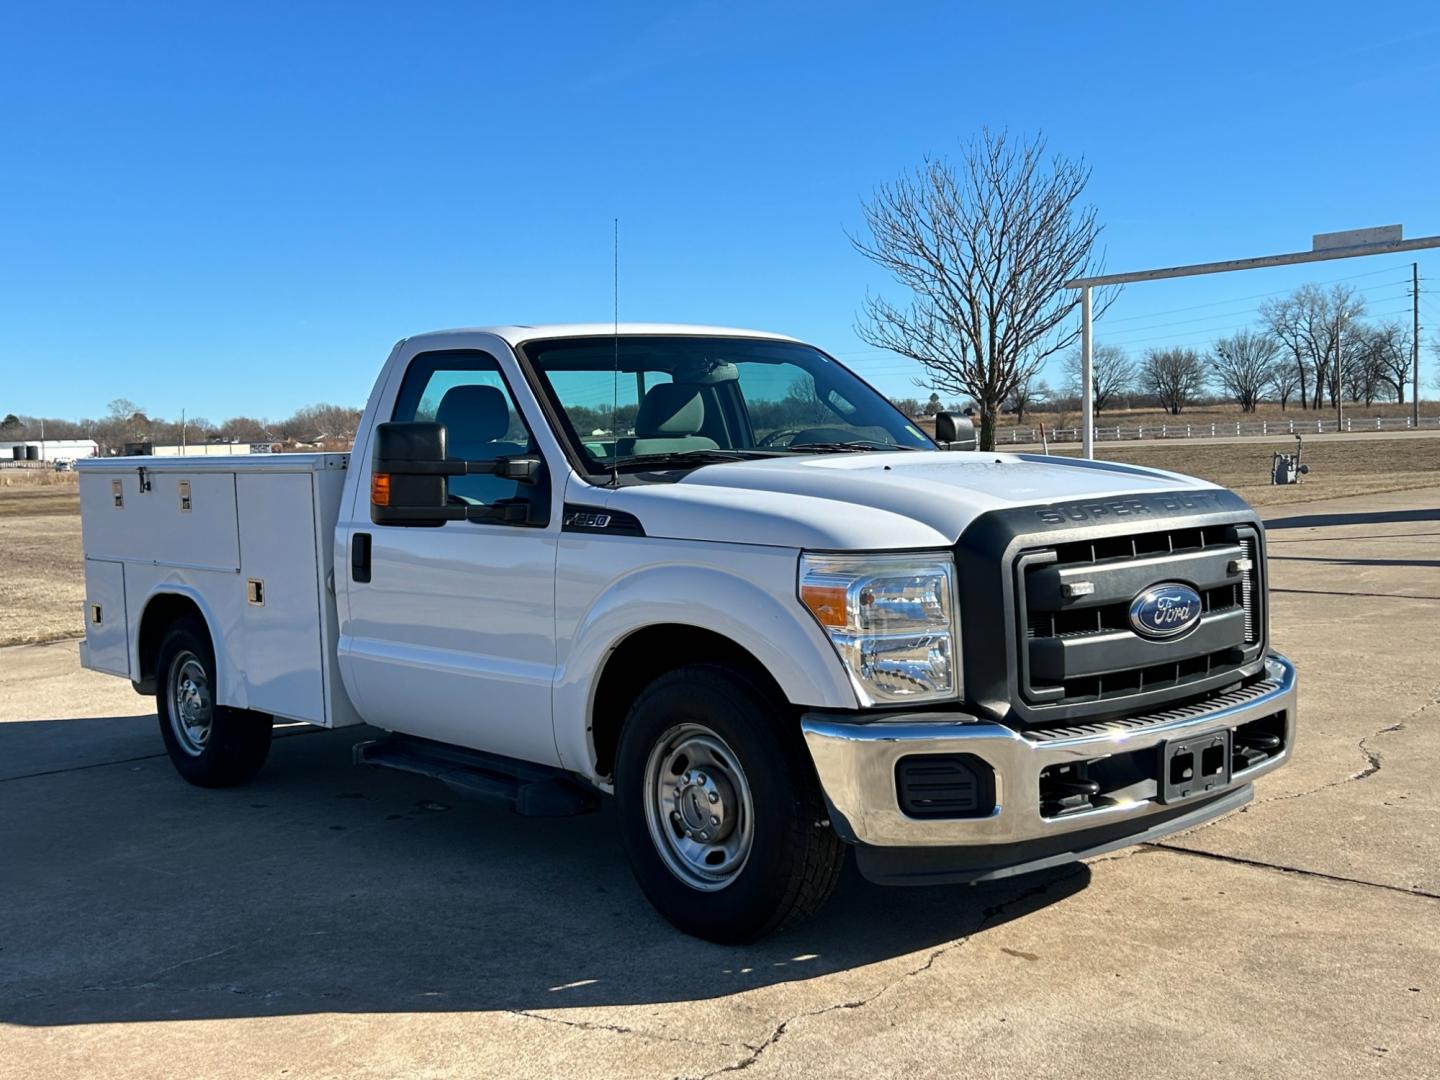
point(209, 744)
point(720, 811)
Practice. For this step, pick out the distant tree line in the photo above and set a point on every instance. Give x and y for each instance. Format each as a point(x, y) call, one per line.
point(125, 422)
point(1287, 358)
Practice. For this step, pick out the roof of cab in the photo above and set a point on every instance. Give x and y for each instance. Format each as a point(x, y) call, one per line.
point(519, 333)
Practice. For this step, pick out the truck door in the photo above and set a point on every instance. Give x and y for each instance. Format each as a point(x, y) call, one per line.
point(450, 629)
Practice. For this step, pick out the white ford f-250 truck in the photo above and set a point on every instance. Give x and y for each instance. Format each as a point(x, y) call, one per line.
point(713, 574)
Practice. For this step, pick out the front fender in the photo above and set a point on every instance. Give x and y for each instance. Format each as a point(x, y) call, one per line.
point(757, 609)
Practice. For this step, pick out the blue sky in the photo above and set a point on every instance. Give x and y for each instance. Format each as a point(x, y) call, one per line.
point(239, 208)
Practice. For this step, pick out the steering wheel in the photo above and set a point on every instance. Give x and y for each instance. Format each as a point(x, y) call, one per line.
point(773, 439)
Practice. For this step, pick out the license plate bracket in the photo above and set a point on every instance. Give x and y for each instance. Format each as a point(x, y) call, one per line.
point(1196, 765)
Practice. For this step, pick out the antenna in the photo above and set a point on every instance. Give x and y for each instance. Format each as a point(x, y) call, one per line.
point(615, 382)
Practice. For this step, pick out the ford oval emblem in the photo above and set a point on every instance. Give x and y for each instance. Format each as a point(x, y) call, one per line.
point(1165, 611)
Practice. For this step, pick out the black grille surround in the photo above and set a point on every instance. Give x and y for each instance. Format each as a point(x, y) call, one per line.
point(1038, 654)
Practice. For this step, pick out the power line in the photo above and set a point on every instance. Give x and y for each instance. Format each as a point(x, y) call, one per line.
point(1230, 328)
point(1246, 310)
point(1258, 296)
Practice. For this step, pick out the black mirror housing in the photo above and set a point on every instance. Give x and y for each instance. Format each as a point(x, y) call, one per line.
point(409, 485)
point(407, 482)
point(955, 432)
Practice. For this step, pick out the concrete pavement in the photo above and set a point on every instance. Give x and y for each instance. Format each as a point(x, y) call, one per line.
point(331, 921)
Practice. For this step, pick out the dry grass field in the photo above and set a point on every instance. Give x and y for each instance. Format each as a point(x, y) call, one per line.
point(42, 588)
point(1216, 414)
point(1352, 466)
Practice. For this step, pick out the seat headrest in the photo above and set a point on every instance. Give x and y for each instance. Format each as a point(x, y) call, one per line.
point(670, 409)
point(473, 414)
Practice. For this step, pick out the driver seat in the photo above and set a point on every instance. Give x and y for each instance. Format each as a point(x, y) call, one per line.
point(668, 421)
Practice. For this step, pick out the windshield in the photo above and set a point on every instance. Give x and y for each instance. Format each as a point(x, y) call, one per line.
point(645, 400)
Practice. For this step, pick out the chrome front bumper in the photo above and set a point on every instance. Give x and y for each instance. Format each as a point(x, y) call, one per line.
point(856, 765)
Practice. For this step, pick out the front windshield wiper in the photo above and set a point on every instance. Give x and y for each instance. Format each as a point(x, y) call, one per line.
point(854, 446)
point(682, 458)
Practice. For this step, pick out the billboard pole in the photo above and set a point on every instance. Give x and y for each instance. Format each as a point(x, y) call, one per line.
point(1087, 381)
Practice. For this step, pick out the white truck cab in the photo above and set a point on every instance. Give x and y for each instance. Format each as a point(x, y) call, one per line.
point(713, 574)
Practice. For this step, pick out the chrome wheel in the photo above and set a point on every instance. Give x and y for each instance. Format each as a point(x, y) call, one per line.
point(192, 703)
point(698, 807)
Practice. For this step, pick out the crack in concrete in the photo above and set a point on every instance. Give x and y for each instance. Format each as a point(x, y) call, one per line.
point(618, 1029)
point(777, 1033)
point(1373, 759)
point(1257, 864)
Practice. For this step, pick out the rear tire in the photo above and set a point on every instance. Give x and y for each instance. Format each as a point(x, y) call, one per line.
point(720, 811)
point(210, 745)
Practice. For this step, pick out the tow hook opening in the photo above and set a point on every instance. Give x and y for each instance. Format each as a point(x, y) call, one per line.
point(1258, 741)
point(1067, 789)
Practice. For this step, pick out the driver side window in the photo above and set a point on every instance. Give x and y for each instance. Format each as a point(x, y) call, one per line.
point(466, 392)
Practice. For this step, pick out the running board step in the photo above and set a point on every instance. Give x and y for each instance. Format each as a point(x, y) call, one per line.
point(528, 789)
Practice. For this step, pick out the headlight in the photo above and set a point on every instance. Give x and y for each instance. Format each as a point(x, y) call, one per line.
point(892, 620)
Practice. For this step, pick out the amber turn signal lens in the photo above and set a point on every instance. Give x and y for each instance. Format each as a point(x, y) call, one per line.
point(826, 603)
point(380, 489)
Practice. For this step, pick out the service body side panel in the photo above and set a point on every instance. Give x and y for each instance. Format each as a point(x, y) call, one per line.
point(205, 528)
point(106, 646)
point(278, 647)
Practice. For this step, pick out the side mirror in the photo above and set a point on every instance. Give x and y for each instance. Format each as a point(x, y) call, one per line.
point(407, 481)
point(409, 485)
point(955, 432)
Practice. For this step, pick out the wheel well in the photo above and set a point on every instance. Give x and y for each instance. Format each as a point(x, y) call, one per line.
point(643, 657)
point(160, 614)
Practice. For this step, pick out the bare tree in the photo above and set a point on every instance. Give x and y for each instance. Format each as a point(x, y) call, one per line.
point(1363, 369)
point(1243, 364)
point(246, 429)
point(1284, 379)
point(1174, 376)
point(1112, 375)
point(984, 248)
point(1026, 396)
point(1388, 357)
point(908, 405)
point(1306, 323)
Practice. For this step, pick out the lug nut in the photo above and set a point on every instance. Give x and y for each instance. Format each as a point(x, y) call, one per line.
point(714, 820)
point(714, 796)
point(700, 778)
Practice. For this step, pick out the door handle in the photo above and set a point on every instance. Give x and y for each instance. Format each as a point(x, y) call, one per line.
point(360, 556)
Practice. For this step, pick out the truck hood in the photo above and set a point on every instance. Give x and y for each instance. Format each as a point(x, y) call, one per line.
point(870, 501)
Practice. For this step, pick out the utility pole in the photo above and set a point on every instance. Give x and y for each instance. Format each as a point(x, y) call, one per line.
point(1415, 343)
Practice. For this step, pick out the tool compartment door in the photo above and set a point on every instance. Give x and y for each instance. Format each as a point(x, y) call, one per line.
point(172, 517)
point(107, 640)
point(277, 649)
